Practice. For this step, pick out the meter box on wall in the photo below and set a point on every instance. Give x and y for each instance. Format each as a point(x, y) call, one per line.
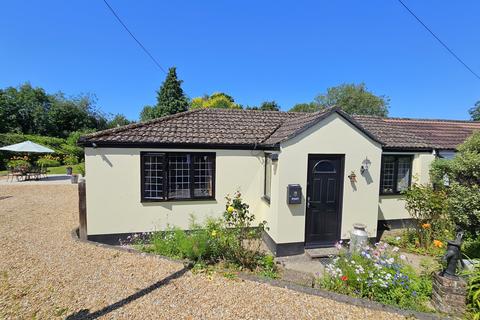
point(294, 194)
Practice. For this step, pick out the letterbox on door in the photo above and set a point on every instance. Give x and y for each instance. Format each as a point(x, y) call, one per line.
point(294, 194)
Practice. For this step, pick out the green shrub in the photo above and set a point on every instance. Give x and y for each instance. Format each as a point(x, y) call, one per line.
point(232, 239)
point(378, 273)
point(268, 267)
point(81, 169)
point(48, 161)
point(473, 296)
point(427, 207)
point(471, 248)
point(19, 162)
point(463, 176)
point(70, 160)
point(245, 242)
point(60, 146)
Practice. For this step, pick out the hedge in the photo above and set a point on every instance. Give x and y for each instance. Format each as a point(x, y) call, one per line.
point(61, 146)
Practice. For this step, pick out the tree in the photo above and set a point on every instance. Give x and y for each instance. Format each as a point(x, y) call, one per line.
point(66, 115)
point(24, 109)
point(148, 113)
point(118, 120)
point(217, 100)
point(266, 106)
point(170, 98)
point(475, 111)
point(29, 110)
point(463, 176)
point(306, 107)
point(351, 98)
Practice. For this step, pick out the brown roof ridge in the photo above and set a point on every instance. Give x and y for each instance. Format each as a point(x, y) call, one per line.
point(414, 119)
point(137, 124)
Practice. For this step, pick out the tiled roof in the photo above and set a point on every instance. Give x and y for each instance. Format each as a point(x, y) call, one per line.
point(253, 128)
point(419, 133)
point(201, 126)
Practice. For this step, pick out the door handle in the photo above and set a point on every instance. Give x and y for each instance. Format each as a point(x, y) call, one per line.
point(308, 202)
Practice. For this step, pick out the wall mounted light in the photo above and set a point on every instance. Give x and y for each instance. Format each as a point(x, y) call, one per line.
point(365, 165)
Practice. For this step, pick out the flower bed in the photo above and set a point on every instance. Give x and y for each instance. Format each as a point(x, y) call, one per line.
point(231, 242)
point(379, 273)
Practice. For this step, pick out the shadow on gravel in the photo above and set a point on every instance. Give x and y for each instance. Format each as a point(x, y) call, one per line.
point(4, 197)
point(85, 313)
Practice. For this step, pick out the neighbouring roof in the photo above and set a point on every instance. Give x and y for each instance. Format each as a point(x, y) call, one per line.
point(266, 129)
point(404, 133)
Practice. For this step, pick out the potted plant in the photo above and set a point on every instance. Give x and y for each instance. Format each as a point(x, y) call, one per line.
point(70, 160)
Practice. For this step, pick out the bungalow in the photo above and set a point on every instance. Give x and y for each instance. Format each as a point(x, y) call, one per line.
point(310, 176)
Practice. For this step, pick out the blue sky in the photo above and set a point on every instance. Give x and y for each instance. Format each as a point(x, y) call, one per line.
point(253, 50)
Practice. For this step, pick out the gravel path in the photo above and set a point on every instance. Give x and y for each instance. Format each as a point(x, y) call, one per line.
point(45, 274)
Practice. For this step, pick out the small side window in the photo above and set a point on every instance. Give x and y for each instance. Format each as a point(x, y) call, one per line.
point(268, 178)
point(396, 174)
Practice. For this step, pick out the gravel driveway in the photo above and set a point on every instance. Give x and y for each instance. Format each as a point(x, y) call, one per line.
point(45, 274)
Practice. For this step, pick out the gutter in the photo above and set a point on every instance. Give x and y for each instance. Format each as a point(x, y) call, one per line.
point(156, 145)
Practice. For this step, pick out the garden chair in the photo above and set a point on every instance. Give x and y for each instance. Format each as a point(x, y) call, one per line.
point(14, 172)
point(43, 172)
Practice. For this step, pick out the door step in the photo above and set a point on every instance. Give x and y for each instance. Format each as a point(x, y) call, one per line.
point(317, 253)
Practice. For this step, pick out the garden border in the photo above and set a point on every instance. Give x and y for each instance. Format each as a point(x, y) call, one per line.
point(370, 304)
point(365, 303)
point(75, 237)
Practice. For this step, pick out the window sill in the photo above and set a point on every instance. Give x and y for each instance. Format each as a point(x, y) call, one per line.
point(266, 199)
point(392, 194)
point(179, 200)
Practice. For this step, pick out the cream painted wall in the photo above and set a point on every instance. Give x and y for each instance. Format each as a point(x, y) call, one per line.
point(393, 207)
point(333, 135)
point(113, 190)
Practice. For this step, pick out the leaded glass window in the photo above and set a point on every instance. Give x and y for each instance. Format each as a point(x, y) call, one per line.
point(396, 174)
point(170, 176)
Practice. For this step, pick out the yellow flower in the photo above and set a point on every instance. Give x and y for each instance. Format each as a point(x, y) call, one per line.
point(426, 226)
point(214, 233)
point(438, 243)
point(230, 209)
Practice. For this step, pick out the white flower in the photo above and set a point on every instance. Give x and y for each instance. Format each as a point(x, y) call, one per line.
point(398, 238)
point(395, 249)
point(403, 257)
point(352, 261)
point(391, 261)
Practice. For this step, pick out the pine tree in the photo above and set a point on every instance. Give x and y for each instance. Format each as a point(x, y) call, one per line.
point(170, 98)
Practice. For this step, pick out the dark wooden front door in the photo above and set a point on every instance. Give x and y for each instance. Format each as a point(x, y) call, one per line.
point(324, 200)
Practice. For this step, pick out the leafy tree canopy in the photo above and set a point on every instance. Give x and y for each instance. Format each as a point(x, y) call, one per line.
point(266, 106)
point(217, 100)
point(170, 98)
point(475, 111)
point(29, 110)
point(305, 107)
point(118, 120)
point(463, 176)
point(352, 98)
